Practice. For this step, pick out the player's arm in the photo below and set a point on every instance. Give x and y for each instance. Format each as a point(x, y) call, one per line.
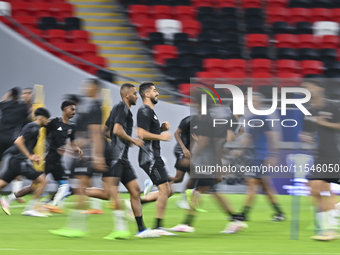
point(119, 131)
point(306, 137)
point(20, 143)
point(146, 135)
point(323, 122)
point(230, 135)
point(178, 138)
point(106, 132)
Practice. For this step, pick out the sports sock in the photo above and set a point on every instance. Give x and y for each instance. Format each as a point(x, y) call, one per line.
point(158, 223)
point(140, 223)
point(277, 208)
point(11, 197)
point(62, 190)
point(30, 204)
point(96, 203)
point(16, 186)
point(333, 219)
point(246, 210)
point(188, 221)
point(119, 220)
point(77, 220)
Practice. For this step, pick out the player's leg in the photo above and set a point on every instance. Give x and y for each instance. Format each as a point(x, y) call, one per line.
point(95, 203)
point(252, 184)
point(3, 201)
point(16, 186)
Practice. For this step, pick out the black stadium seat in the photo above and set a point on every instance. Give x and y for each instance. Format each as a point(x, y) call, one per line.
point(181, 39)
point(328, 55)
point(155, 38)
point(287, 53)
point(73, 24)
point(281, 27)
point(309, 54)
point(260, 52)
point(48, 23)
point(304, 28)
point(255, 27)
point(299, 3)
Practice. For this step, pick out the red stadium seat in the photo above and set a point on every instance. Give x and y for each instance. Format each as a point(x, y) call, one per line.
point(251, 4)
point(260, 65)
point(336, 15)
point(300, 15)
point(20, 9)
point(287, 66)
point(54, 36)
point(163, 52)
point(226, 3)
point(86, 50)
point(71, 61)
point(307, 41)
point(160, 12)
point(234, 65)
point(321, 14)
point(257, 40)
point(27, 21)
point(6, 22)
point(277, 3)
point(213, 65)
point(261, 79)
point(62, 10)
point(201, 3)
point(78, 36)
point(288, 79)
point(330, 42)
point(137, 12)
point(145, 26)
point(205, 75)
point(96, 60)
point(276, 14)
point(285, 41)
point(235, 78)
point(184, 89)
point(56, 1)
point(41, 9)
point(311, 67)
point(184, 13)
point(37, 32)
point(67, 47)
point(191, 27)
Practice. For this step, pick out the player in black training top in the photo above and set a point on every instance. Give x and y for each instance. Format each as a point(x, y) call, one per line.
point(323, 127)
point(150, 130)
point(13, 115)
point(20, 162)
point(58, 131)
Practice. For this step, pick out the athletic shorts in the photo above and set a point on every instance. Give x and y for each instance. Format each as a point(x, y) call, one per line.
point(20, 167)
point(256, 174)
point(4, 145)
point(81, 167)
point(156, 171)
point(56, 169)
point(180, 156)
point(205, 182)
point(122, 169)
point(325, 171)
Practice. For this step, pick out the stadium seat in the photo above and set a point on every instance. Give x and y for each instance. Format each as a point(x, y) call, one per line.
point(229, 39)
point(67, 47)
point(187, 51)
point(207, 51)
point(155, 38)
point(191, 65)
point(253, 14)
point(309, 54)
point(172, 64)
point(205, 40)
point(285, 41)
point(201, 3)
point(54, 36)
point(181, 39)
point(251, 4)
point(332, 68)
point(5, 9)
point(73, 23)
point(326, 28)
point(261, 79)
point(213, 65)
point(70, 60)
point(96, 60)
point(62, 10)
point(287, 66)
point(228, 26)
point(48, 23)
point(281, 27)
point(300, 15)
point(307, 41)
point(304, 28)
point(144, 27)
point(163, 52)
point(184, 13)
point(255, 27)
point(259, 52)
point(288, 79)
point(228, 13)
point(311, 67)
point(277, 3)
point(231, 52)
point(184, 89)
point(207, 75)
point(191, 27)
point(287, 53)
point(328, 55)
point(20, 9)
point(41, 9)
point(78, 36)
point(226, 3)
point(336, 14)
point(168, 27)
point(27, 21)
point(276, 14)
point(210, 26)
point(236, 78)
point(160, 12)
point(260, 65)
point(137, 12)
point(322, 4)
point(86, 50)
point(257, 40)
point(234, 65)
point(329, 41)
point(204, 13)
point(321, 14)
point(299, 3)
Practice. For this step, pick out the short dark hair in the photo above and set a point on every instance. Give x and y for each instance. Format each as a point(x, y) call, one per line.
point(94, 81)
point(41, 111)
point(126, 86)
point(67, 103)
point(73, 97)
point(143, 87)
point(15, 92)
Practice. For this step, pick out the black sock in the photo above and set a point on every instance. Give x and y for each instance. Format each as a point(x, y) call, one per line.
point(246, 210)
point(277, 208)
point(140, 223)
point(158, 223)
point(189, 219)
point(142, 202)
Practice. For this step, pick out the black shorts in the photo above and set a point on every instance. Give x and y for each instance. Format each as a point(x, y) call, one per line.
point(81, 167)
point(122, 169)
point(156, 171)
point(180, 156)
point(325, 171)
point(4, 145)
point(56, 169)
point(205, 182)
point(20, 167)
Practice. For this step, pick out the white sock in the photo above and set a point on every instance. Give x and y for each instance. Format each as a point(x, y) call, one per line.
point(77, 220)
point(333, 219)
point(11, 197)
point(119, 220)
point(96, 203)
point(30, 204)
point(60, 194)
point(16, 186)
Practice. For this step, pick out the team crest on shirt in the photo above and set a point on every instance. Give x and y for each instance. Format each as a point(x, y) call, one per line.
point(69, 131)
point(155, 117)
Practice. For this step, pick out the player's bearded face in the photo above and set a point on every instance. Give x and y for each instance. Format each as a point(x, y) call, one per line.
point(153, 96)
point(133, 96)
point(71, 111)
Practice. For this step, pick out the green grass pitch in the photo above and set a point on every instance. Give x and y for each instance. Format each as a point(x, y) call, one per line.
point(29, 235)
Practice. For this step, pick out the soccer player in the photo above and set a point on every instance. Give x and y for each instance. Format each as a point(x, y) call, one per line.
point(150, 130)
point(265, 143)
point(120, 124)
point(58, 131)
point(20, 162)
point(90, 140)
point(325, 124)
